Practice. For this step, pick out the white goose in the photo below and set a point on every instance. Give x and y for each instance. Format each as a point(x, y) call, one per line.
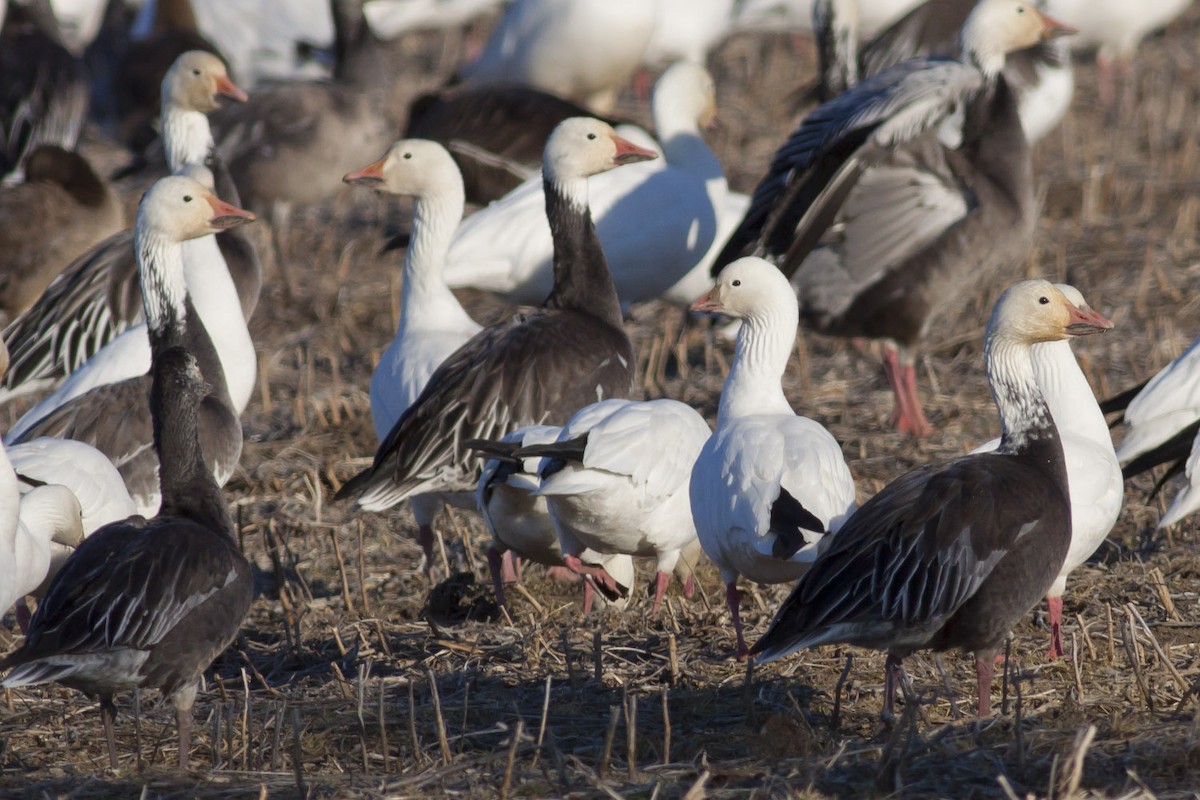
point(432, 322)
point(1187, 501)
point(584, 50)
point(656, 221)
point(1093, 472)
point(82, 296)
point(519, 522)
point(769, 485)
point(616, 481)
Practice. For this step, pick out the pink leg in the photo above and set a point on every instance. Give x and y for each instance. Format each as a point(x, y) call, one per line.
point(642, 85)
point(985, 670)
point(733, 599)
point(508, 567)
point(689, 587)
point(908, 416)
point(23, 615)
point(661, 581)
point(495, 561)
point(1106, 78)
point(918, 425)
point(600, 574)
point(1056, 645)
point(589, 596)
point(562, 575)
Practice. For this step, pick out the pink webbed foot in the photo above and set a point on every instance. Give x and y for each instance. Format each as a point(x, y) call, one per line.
point(1055, 604)
point(598, 573)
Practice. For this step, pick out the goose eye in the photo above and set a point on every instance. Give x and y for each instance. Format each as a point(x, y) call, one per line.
point(195, 72)
point(1020, 10)
point(591, 136)
point(737, 283)
point(187, 198)
point(1044, 300)
point(408, 155)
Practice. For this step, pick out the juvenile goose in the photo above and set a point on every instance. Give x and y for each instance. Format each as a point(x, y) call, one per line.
point(113, 418)
point(952, 555)
point(62, 209)
point(655, 222)
point(433, 324)
point(96, 298)
point(769, 485)
point(519, 521)
point(616, 481)
point(1093, 474)
point(147, 603)
point(531, 368)
point(879, 220)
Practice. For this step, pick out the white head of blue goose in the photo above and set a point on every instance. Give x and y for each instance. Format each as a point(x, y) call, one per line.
point(191, 89)
point(176, 209)
point(996, 28)
point(1028, 313)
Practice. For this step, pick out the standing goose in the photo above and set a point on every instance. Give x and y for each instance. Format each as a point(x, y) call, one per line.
point(294, 140)
point(656, 221)
point(881, 223)
point(62, 209)
point(531, 368)
point(1093, 473)
point(769, 485)
point(114, 418)
point(43, 87)
point(616, 481)
point(433, 324)
point(148, 603)
point(96, 298)
point(952, 555)
point(519, 521)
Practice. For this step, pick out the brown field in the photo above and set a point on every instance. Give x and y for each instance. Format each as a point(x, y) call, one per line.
point(352, 680)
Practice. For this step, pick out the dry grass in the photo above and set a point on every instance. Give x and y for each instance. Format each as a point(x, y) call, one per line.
point(351, 680)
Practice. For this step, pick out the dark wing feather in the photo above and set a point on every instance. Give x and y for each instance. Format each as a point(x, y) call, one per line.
point(1120, 402)
point(911, 556)
point(87, 306)
point(789, 520)
point(128, 585)
point(1177, 448)
point(524, 371)
point(898, 105)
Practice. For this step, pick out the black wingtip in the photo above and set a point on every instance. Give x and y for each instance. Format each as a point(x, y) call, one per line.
point(1120, 402)
point(490, 448)
point(788, 521)
point(353, 487)
point(1176, 448)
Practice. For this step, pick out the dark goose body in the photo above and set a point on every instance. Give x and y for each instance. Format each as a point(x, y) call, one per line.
point(530, 369)
point(953, 555)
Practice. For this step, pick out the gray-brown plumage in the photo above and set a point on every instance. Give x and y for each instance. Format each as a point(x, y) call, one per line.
point(61, 210)
point(532, 368)
point(884, 204)
point(952, 555)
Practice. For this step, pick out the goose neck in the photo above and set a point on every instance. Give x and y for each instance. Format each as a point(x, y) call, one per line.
point(1024, 415)
point(1067, 391)
point(688, 150)
point(982, 52)
point(187, 136)
point(582, 281)
point(164, 290)
point(425, 291)
point(10, 498)
point(754, 386)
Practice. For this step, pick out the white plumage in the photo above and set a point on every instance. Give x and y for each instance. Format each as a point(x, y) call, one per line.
point(628, 493)
point(761, 448)
point(1093, 473)
point(1168, 404)
point(659, 221)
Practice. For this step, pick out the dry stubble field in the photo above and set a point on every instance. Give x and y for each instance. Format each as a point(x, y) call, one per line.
point(352, 680)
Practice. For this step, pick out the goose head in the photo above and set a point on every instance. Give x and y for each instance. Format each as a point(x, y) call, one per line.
point(412, 166)
point(684, 95)
point(52, 512)
point(582, 146)
point(751, 289)
point(1037, 311)
point(179, 208)
point(996, 28)
point(195, 81)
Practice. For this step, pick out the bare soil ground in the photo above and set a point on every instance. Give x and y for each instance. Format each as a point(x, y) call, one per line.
point(352, 680)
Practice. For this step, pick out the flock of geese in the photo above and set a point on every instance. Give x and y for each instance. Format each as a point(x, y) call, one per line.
point(907, 188)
